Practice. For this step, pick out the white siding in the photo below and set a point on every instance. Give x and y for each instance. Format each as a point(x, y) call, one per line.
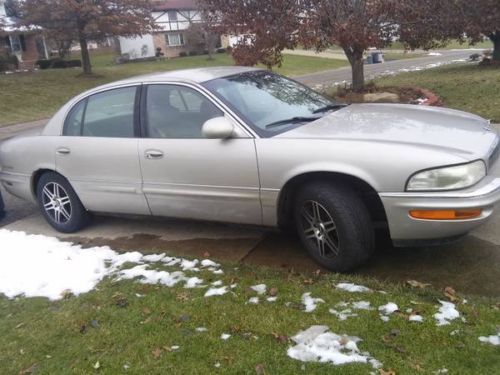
point(184, 17)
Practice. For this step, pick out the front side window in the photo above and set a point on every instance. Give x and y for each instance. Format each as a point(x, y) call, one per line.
point(177, 112)
point(107, 114)
point(266, 100)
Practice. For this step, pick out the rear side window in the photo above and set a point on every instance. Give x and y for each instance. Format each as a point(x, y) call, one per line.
point(107, 114)
point(73, 124)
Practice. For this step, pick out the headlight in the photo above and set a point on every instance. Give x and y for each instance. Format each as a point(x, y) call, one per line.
point(448, 178)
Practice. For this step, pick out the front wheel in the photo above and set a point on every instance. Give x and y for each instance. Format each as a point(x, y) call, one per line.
point(60, 205)
point(334, 225)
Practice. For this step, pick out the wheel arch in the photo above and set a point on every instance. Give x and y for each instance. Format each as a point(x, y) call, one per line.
point(366, 191)
point(35, 177)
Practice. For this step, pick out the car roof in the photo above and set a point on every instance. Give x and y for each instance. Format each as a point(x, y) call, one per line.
point(198, 75)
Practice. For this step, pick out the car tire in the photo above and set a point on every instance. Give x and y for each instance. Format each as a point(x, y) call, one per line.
point(334, 225)
point(60, 205)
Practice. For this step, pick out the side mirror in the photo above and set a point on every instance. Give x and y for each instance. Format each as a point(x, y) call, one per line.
point(218, 128)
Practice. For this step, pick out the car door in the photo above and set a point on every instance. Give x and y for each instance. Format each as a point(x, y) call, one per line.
point(98, 152)
point(188, 176)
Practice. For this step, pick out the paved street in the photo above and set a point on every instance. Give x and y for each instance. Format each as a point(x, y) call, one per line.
point(372, 71)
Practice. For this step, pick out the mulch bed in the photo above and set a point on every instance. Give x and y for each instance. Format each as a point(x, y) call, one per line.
point(407, 95)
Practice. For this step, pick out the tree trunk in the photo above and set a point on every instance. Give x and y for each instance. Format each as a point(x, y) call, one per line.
point(355, 57)
point(87, 66)
point(495, 38)
point(358, 74)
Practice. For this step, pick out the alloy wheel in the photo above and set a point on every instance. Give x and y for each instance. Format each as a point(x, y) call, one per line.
point(320, 229)
point(56, 203)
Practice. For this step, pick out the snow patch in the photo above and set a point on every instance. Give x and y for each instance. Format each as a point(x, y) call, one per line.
point(362, 305)
point(310, 303)
point(318, 344)
point(260, 289)
point(493, 339)
point(353, 288)
point(416, 318)
point(40, 266)
point(254, 301)
point(342, 315)
point(388, 309)
point(447, 313)
point(193, 282)
point(216, 291)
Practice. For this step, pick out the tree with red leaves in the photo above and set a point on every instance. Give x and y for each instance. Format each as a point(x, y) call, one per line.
point(85, 20)
point(267, 27)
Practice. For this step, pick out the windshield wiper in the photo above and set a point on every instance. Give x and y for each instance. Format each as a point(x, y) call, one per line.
point(330, 107)
point(292, 120)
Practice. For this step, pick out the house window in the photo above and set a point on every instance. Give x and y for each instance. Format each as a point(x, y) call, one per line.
point(174, 39)
point(16, 44)
point(172, 15)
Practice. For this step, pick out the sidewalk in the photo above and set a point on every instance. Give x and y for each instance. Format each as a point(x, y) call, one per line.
point(326, 54)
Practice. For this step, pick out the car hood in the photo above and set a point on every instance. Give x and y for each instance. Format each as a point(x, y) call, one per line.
point(458, 132)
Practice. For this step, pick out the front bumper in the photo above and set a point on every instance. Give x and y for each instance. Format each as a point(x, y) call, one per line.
point(404, 228)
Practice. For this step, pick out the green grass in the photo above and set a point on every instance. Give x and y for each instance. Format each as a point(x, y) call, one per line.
point(59, 337)
point(33, 96)
point(466, 87)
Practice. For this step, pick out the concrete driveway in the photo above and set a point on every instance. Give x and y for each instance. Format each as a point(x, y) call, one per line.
point(470, 265)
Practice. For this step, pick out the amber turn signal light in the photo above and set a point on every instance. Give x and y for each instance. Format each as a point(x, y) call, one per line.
point(446, 214)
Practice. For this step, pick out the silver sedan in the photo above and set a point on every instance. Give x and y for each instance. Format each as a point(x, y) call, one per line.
point(244, 145)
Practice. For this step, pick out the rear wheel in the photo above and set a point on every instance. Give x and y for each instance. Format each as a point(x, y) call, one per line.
point(60, 205)
point(334, 225)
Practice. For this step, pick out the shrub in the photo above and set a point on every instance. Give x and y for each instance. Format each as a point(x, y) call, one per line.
point(74, 64)
point(193, 53)
point(183, 54)
point(221, 50)
point(43, 64)
point(8, 62)
point(58, 64)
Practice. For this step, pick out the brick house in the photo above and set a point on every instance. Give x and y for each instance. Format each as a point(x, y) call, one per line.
point(28, 45)
point(173, 17)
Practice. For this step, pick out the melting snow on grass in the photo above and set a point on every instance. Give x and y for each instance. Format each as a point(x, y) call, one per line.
point(40, 266)
point(260, 289)
point(353, 288)
point(310, 303)
point(493, 339)
point(216, 291)
point(253, 301)
point(318, 344)
point(447, 312)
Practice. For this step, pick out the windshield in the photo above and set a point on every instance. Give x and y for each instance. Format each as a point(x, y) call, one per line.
point(270, 103)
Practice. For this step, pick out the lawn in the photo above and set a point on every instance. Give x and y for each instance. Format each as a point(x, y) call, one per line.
point(33, 96)
point(467, 87)
point(131, 327)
